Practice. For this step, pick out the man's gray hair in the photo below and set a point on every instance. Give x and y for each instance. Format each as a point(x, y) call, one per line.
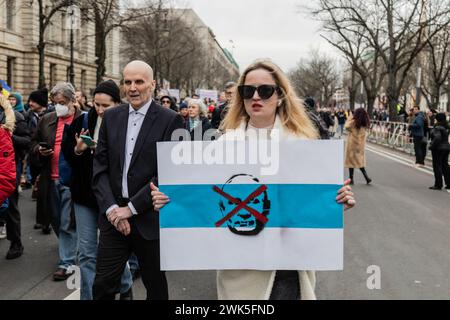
point(230, 84)
point(65, 89)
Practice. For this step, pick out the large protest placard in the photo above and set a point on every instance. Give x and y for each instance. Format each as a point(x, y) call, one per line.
point(208, 94)
point(236, 206)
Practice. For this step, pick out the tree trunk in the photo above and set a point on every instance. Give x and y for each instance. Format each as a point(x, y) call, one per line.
point(352, 98)
point(448, 96)
point(101, 68)
point(435, 97)
point(41, 48)
point(392, 95)
point(371, 102)
point(100, 49)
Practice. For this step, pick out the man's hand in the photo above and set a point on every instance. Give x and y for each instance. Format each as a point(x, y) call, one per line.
point(118, 215)
point(124, 227)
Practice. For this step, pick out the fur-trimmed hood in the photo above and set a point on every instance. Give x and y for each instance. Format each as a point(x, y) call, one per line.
point(10, 118)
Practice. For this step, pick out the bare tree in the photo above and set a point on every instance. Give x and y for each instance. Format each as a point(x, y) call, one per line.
point(166, 42)
point(438, 51)
point(315, 77)
point(109, 15)
point(350, 82)
point(47, 10)
point(397, 31)
point(352, 41)
point(172, 45)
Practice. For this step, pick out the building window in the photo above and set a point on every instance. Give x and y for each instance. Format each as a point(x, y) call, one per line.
point(52, 74)
point(83, 80)
point(63, 29)
point(10, 62)
point(10, 14)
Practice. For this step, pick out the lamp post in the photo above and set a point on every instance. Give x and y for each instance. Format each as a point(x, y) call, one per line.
point(73, 15)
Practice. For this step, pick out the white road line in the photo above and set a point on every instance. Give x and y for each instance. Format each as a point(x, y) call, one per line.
point(74, 295)
point(399, 159)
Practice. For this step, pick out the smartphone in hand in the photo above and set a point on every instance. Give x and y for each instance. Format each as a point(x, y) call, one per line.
point(45, 145)
point(88, 140)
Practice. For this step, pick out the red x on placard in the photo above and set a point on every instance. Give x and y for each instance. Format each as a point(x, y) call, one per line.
point(242, 205)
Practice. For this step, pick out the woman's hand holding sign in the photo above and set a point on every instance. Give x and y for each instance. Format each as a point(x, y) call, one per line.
point(345, 196)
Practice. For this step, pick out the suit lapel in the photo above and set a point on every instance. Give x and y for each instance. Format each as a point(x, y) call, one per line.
point(122, 133)
point(146, 128)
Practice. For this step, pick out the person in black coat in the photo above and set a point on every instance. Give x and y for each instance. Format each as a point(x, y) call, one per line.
point(124, 174)
point(81, 157)
point(221, 111)
point(440, 149)
point(197, 123)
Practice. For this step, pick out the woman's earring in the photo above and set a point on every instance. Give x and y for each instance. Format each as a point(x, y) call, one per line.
point(279, 103)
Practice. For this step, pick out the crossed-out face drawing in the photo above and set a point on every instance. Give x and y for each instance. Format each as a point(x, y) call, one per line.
point(245, 214)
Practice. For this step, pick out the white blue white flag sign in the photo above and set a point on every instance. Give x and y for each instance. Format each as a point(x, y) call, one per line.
point(226, 214)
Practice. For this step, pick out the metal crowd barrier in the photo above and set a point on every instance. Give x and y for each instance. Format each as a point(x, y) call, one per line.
point(394, 135)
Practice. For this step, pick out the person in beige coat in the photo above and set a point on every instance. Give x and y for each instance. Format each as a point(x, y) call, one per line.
point(355, 156)
point(266, 103)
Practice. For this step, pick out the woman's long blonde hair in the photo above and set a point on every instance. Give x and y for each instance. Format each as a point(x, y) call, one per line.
point(292, 111)
point(10, 118)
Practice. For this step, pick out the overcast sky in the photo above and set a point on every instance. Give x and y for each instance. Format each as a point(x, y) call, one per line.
point(262, 29)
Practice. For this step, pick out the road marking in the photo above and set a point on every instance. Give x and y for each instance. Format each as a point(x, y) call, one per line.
point(399, 159)
point(74, 295)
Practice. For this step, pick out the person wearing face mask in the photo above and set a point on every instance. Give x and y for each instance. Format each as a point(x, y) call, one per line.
point(54, 197)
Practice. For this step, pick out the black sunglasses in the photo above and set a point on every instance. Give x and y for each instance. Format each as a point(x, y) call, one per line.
point(165, 101)
point(265, 91)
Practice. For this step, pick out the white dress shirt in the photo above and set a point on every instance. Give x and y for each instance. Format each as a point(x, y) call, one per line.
point(135, 121)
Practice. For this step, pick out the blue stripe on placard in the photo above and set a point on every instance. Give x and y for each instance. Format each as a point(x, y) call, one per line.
point(291, 205)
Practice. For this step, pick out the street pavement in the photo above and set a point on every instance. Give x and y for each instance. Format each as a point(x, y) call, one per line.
point(398, 225)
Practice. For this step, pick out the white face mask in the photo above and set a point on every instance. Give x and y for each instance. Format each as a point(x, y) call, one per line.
point(61, 110)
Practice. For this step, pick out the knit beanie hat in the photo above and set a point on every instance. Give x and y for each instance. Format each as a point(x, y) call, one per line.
point(441, 118)
point(19, 104)
point(110, 88)
point(40, 97)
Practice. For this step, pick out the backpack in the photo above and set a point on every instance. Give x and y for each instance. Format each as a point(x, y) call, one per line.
point(4, 209)
point(7, 166)
point(320, 125)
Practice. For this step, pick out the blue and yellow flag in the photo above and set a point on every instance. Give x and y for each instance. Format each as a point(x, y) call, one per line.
point(5, 88)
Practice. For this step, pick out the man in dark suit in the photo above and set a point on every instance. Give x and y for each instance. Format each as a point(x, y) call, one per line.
point(124, 166)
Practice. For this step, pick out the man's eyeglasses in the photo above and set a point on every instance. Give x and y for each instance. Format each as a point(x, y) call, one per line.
point(265, 91)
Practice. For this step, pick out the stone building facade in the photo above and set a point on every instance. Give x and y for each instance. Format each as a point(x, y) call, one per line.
point(19, 58)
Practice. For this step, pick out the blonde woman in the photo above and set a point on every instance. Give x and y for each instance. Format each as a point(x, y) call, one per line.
point(266, 100)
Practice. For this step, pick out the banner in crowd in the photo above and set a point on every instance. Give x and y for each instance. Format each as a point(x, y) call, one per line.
point(209, 94)
point(224, 213)
point(175, 93)
point(5, 88)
